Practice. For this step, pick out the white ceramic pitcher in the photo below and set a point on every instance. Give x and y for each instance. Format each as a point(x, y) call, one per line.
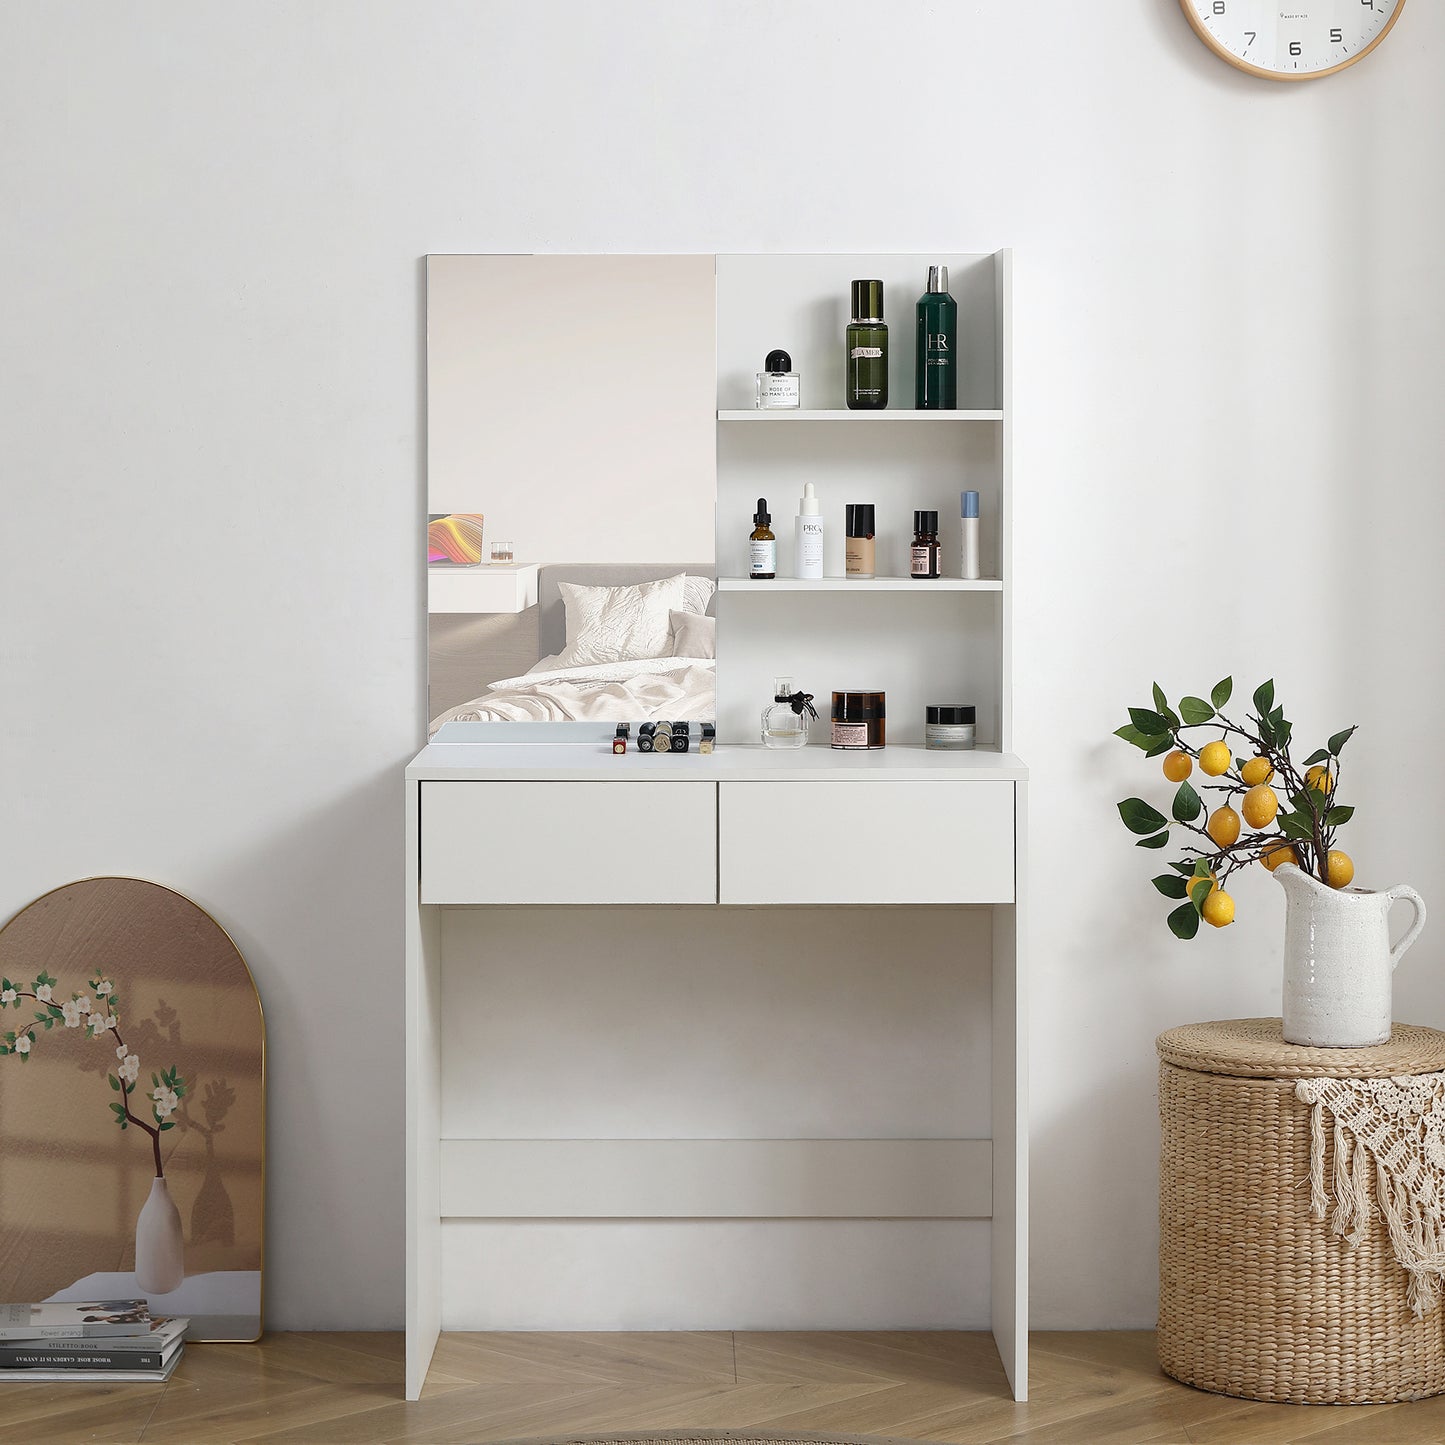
point(1338, 962)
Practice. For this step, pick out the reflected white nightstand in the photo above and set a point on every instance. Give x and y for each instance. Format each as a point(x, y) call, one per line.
point(500, 587)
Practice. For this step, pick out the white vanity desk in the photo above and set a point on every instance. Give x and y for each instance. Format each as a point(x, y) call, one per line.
point(564, 823)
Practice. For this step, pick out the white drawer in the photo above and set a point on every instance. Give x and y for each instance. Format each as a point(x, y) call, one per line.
point(866, 841)
point(568, 842)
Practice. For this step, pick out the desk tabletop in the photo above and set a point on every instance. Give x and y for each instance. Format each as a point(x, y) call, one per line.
point(594, 761)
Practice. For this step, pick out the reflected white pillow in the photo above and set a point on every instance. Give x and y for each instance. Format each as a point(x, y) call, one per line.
point(693, 635)
point(697, 593)
point(616, 624)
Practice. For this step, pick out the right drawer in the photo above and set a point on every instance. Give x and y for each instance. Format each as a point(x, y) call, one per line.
point(866, 841)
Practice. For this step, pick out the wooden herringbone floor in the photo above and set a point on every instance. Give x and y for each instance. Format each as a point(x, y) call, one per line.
point(332, 1389)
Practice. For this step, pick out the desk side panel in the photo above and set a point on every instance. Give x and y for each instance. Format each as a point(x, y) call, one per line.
point(423, 1111)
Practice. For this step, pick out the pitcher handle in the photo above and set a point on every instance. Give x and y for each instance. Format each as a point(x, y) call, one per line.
point(1413, 932)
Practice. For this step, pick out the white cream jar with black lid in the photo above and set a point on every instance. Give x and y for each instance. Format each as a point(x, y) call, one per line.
point(948, 727)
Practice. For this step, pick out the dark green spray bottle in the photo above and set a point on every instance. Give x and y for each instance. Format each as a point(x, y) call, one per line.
point(935, 381)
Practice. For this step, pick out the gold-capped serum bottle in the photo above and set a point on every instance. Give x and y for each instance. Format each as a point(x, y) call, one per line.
point(866, 346)
point(762, 545)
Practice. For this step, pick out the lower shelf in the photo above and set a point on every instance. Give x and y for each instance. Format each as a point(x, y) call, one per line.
point(717, 1178)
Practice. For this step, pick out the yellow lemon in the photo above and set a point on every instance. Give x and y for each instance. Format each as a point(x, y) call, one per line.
point(1280, 853)
point(1259, 806)
point(1178, 766)
point(1256, 771)
point(1218, 909)
point(1214, 758)
point(1339, 868)
point(1321, 778)
point(1223, 826)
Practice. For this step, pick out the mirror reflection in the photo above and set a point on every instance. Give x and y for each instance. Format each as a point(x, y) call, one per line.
point(571, 487)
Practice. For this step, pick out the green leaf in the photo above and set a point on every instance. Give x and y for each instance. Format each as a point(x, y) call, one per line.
point(1266, 729)
point(1187, 804)
point(1159, 840)
point(1183, 865)
point(167, 1125)
point(1318, 756)
point(1131, 734)
point(1160, 701)
point(1152, 723)
point(1336, 816)
point(1199, 890)
point(1139, 817)
point(1297, 826)
point(1315, 801)
point(1184, 921)
point(1195, 710)
point(1340, 739)
point(1159, 745)
point(1281, 726)
point(114, 1083)
point(1170, 885)
point(1264, 698)
point(1221, 693)
point(1202, 868)
point(119, 1109)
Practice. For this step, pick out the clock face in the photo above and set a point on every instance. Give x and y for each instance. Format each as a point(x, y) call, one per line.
point(1292, 39)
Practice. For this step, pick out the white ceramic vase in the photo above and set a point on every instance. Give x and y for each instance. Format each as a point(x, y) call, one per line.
point(1338, 963)
point(160, 1263)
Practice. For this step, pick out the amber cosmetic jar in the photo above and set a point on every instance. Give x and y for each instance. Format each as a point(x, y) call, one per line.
point(858, 720)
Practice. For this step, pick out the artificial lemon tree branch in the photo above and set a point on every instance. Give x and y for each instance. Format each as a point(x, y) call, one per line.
point(1301, 830)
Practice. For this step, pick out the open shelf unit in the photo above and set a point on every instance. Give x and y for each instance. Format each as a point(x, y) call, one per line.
point(922, 643)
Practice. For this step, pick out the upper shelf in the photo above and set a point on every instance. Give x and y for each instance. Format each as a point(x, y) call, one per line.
point(842, 414)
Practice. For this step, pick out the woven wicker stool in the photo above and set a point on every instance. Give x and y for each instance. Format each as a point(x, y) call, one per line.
point(1256, 1298)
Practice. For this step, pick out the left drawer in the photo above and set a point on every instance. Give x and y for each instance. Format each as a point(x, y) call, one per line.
point(564, 842)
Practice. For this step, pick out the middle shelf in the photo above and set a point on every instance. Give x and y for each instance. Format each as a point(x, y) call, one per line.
point(919, 585)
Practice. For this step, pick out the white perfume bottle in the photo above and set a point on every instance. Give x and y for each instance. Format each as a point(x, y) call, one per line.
point(808, 537)
point(785, 721)
point(778, 385)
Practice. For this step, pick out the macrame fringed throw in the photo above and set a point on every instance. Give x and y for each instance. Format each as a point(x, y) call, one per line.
point(1398, 1125)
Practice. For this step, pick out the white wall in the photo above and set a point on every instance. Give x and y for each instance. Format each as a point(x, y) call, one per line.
point(1229, 443)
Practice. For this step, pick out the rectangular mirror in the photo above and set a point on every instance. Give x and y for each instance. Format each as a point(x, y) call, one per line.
point(571, 468)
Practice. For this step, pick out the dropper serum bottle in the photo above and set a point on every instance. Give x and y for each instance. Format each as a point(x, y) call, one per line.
point(762, 545)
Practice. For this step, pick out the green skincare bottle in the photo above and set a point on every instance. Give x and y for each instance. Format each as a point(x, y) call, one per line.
point(867, 349)
point(935, 383)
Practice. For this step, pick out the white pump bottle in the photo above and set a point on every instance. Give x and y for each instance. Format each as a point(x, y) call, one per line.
point(808, 537)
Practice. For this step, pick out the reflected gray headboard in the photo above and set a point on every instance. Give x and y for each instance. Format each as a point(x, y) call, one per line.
point(552, 614)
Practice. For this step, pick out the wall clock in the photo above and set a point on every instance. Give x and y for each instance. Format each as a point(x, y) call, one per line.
point(1292, 39)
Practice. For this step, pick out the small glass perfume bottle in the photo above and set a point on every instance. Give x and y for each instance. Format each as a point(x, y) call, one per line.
point(785, 722)
point(779, 388)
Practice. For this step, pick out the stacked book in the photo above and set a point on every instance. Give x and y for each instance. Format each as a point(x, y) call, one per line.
point(113, 1340)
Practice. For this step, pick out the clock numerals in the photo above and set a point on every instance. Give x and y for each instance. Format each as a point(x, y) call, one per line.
point(1298, 41)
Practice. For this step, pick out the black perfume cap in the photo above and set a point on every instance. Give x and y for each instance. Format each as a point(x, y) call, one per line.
point(948, 712)
point(925, 521)
point(762, 517)
point(860, 519)
point(867, 301)
point(778, 362)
